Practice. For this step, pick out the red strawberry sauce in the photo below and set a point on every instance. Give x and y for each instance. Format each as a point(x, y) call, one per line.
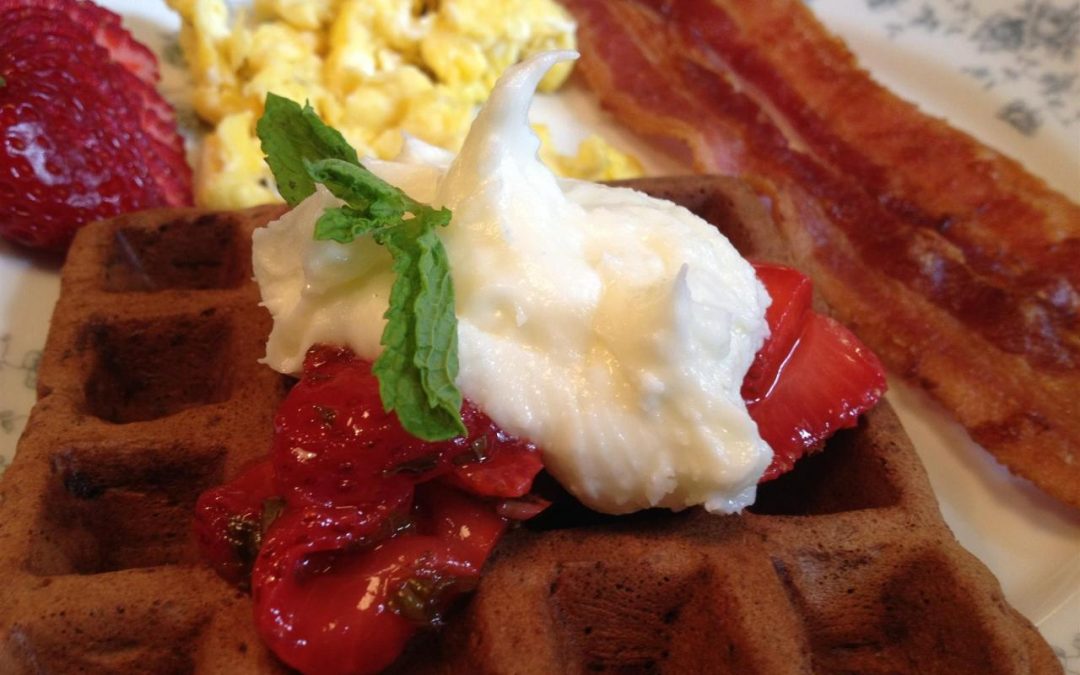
point(358, 532)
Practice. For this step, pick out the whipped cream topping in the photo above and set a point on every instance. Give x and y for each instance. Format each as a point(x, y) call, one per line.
point(610, 328)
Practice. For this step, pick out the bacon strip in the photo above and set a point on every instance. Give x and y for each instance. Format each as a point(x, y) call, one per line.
point(954, 264)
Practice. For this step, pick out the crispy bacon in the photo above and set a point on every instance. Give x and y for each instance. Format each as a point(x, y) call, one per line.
point(953, 263)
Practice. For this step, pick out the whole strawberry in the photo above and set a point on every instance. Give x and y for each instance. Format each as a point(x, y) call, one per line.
point(83, 132)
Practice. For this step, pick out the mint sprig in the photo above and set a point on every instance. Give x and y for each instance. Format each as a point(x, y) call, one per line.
point(291, 137)
point(419, 362)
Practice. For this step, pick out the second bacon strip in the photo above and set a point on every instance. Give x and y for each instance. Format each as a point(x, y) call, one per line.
point(954, 264)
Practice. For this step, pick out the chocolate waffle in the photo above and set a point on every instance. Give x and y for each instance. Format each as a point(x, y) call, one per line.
point(149, 392)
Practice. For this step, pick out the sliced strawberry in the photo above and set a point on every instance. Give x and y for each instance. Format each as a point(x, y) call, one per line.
point(335, 444)
point(379, 531)
point(328, 612)
point(507, 473)
point(103, 26)
point(791, 292)
point(471, 524)
point(229, 521)
point(352, 610)
point(522, 508)
point(26, 26)
point(59, 46)
point(126, 50)
point(58, 172)
point(811, 378)
point(82, 136)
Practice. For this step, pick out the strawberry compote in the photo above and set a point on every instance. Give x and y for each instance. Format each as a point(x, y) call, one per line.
point(355, 533)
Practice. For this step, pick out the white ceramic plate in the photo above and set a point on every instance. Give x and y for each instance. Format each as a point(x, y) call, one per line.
point(1004, 70)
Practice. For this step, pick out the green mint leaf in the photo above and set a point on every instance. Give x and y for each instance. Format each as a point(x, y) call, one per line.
point(3, 82)
point(436, 217)
point(291, 136)
point(436, 324)
point(354, 183)
point(341, 225)
point(418, 366)
point(419, 363)
point(370, 197)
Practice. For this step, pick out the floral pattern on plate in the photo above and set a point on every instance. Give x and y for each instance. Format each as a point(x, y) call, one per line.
point(15, 371)
point(1031, 45)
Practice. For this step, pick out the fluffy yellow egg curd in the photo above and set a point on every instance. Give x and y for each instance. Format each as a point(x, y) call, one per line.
point(374, 69)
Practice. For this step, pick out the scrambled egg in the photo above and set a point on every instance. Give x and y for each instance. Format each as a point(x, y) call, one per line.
point(374, 69)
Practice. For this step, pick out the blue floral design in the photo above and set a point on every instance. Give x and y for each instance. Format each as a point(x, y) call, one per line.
point(1023, 118)
point(1000, 32)
point(879, 4)
point(11, 420)
point(28, 363)
point(1034, 41)
point(1055, 29)
point(1070, 658)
